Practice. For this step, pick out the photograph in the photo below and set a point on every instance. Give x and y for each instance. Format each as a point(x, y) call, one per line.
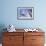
point(25, 13)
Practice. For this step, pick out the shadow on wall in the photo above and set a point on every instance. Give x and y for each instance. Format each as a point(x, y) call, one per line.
point(2, 26)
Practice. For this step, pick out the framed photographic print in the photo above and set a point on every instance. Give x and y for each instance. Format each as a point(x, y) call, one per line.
point(25, 13)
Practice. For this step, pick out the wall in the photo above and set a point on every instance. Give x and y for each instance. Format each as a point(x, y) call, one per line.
point(8, 13)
